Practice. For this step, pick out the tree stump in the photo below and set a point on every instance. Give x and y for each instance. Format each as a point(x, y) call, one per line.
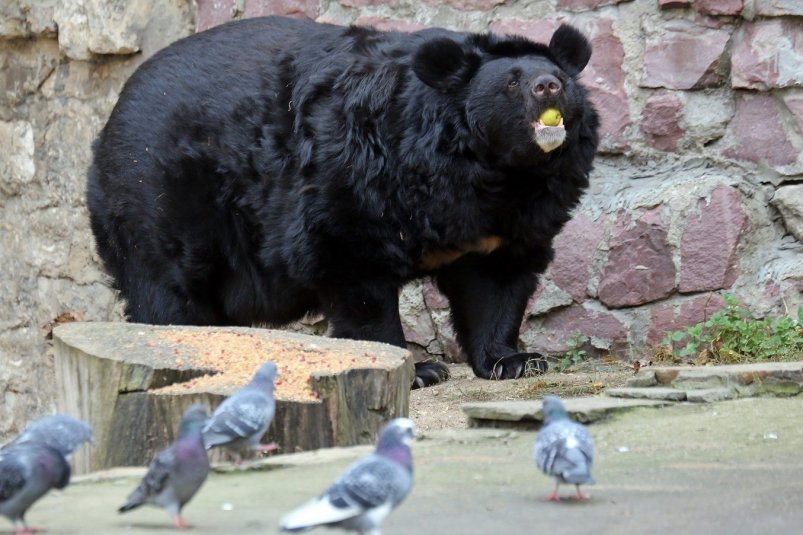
point(132, 382)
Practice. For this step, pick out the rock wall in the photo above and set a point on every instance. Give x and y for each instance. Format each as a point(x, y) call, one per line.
point(698, 189)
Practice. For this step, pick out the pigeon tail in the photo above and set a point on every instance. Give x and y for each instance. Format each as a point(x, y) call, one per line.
point(132, 503)
point(318, 512)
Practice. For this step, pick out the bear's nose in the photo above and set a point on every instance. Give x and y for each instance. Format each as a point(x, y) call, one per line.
point(546, 85)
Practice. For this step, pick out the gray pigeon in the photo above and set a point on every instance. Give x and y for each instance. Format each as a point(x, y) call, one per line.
point(242, 419)
point(563, 449)
point(177, 472)
point(60, 432)
point(27, 471)
point(367, 491)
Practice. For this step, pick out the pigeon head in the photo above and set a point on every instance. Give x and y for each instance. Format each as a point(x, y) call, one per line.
point(193, 420)
point(553, 409)
point(266, 373)
point(395, 439)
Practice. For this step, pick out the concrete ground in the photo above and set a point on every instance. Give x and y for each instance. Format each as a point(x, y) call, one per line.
point(728, 467)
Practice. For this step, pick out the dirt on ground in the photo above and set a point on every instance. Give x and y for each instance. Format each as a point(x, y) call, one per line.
point(438, 407)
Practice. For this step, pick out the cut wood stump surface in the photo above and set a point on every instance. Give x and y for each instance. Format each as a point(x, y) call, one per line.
point(132, 382)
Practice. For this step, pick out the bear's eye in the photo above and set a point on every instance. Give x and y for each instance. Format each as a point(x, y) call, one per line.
point(513, 83)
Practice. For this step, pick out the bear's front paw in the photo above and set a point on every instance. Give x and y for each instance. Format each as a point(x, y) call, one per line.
point(514, 366)
point(428, 373)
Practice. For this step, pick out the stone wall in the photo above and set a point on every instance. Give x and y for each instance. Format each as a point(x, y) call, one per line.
point(698, 189)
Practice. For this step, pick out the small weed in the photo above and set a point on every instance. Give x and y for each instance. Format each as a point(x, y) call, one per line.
point(575, 354)
point(733, 335)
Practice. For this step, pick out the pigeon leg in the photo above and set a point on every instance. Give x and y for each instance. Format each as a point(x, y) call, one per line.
point(580, 496)
point(554, 496)
point(179, 523)
point(26, 530)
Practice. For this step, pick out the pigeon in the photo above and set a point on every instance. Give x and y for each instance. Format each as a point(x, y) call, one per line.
point(27, 471)
point(61, 432)
point(177, 472)
point(242, 419)
point(563, 449)
point(367, 491)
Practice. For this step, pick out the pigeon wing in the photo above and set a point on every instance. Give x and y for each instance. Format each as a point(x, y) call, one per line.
point(565, 449)
point(13, 476)
point(155, 481)
point(367, 484)
point(238, 417)
point(545, 448)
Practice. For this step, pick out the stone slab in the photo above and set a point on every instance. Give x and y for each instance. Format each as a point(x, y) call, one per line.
point(708, 395)
point(742, 380)
point(527, 414)
point(642, 380)
point(743, 374)
point(666, 394)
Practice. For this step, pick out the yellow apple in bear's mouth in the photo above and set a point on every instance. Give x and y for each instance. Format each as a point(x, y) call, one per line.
point(551, 117)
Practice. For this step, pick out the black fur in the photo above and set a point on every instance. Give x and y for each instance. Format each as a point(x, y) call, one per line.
point(270, 168)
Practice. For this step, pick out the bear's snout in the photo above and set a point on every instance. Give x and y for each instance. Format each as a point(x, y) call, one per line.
point(546, 86)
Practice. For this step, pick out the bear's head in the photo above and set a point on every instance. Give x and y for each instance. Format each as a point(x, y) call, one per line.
point(521, 99)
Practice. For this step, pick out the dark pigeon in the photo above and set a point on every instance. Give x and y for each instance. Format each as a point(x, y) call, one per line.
point(563, 449)
point(176, 473)
point(60, 432)
point(361, 498)
point(27, 472)
point(243, 418)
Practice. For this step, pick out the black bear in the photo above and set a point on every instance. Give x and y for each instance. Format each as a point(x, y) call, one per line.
point(270, 168)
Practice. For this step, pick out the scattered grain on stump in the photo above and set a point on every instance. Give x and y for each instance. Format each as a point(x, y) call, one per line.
point(131, 382)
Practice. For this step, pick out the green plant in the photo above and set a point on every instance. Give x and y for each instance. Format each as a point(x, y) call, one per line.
point(575, 354)
point(732, 334)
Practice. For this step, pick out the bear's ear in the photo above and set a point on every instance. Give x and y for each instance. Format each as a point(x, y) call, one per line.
point(571, 49)
point(443, 64)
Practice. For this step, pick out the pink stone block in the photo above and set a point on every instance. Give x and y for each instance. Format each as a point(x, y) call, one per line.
point(778, 8)
point(388, 24)
point(639, 268)
point(574, 253)
point(560, 326)
point(419, 329)
point(671, 316)
point(433, 297)
point(709, 244)
point(719, 7)
point(685, 56)
point(210, 13)
point(538, 30)
point(605, 80)
point(290, 8)
point(660, 121)
point(756, 133)
point(768, 54)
